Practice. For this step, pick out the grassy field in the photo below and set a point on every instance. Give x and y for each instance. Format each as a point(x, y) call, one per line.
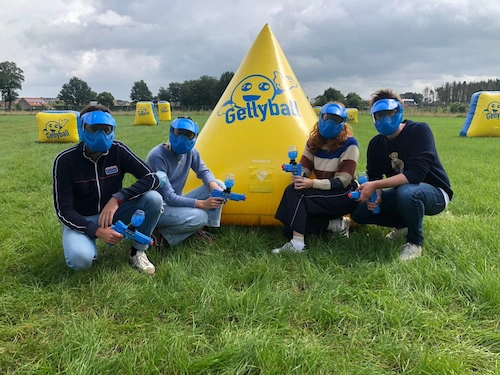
point(342, 307)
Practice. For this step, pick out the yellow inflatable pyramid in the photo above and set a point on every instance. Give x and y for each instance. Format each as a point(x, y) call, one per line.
point(262, 112)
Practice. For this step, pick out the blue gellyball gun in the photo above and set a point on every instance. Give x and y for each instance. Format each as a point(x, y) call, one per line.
point(293, 166)
point(362, 178)
point(129, 231)
point(226, 193)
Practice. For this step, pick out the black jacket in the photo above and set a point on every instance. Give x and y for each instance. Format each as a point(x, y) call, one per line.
point(82, 187)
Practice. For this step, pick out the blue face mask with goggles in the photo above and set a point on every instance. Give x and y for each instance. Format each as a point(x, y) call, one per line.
point(183, 133)
point(332, 118)
point(387, 115)
point(98, 130)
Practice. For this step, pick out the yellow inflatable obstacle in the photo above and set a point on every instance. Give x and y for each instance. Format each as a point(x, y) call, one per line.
point(262, 112)
point(58, 126)
point(483, 118)
point(145, 114)
point(352, 115)
point(164, 113)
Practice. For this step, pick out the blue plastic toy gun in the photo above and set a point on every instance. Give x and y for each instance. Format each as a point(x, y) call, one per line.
point(293, 166)
point(362, 178)
point(227, 194)
point(129, 231)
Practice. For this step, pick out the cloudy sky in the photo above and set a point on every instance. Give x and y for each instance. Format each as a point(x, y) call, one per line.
point(350, 45)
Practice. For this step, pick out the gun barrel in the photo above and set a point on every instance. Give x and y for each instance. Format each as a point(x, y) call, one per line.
point(229, 195)
point(130, 234)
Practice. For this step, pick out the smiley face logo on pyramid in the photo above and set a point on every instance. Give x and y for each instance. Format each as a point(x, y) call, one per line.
point(257, 89)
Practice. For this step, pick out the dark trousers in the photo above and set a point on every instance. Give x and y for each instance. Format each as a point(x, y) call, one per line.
point(308, 211)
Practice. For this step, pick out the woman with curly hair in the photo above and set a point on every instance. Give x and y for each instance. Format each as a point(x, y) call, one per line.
point(312, 205)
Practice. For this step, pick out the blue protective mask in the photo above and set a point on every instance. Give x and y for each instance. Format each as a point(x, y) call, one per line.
point(98, 141)
point(387, 115)
point(389, 125)
point(181, 144)
point(329, 128)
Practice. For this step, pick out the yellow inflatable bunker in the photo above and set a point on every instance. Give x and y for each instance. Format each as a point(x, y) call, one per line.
point(58, 126)
point(352, 115)
point(483, 118)
point(145, 114)
point(262, 112)
point(164, 113)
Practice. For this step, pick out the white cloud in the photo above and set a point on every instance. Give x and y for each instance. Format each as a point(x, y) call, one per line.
point(353, 46)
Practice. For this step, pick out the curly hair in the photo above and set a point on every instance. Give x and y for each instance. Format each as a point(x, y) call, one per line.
point(316, 141)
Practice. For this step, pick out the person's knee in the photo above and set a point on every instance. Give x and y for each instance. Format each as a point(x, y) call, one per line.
point(79, 261)
point(196, 219)
point(199, 219)
point(153, 201)
point(405, 191)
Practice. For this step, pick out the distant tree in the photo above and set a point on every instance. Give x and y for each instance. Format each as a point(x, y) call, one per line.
point(163, 94)
point(333, 95)
point(76, 92)
point(353, 100)
point(206, 92)
point(224, 80)
point(174, 90)
point(106, 98)
point(11, 79)
point(320, 100)
point(140, 92)
point(458, 107)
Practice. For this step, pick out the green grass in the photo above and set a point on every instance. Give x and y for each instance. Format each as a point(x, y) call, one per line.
point(343, 307)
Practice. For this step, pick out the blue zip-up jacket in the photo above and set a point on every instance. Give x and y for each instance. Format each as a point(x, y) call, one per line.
point(82, 187)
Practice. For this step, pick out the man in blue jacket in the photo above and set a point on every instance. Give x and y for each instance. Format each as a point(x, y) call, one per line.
point(404, 169)
point(89, 196)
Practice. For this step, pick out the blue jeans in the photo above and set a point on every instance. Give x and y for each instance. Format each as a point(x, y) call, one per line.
point(404, 207)
point(178, 223)
point(80, 250)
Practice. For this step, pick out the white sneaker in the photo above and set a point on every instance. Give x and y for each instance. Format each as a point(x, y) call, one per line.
point(410, 251)
point(288, 247)
point(341, 226)
point(397, 234)
point(142, 263)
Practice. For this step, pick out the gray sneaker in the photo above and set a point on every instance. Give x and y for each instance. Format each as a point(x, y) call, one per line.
point(288, 247)
point(341, 226)
point(410, 251)
point(142, 263)
point(346, 224)
point(397, 234)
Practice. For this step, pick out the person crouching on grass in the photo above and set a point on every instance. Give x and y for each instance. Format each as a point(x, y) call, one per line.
point(314, 205)
point(184, 214)
point(415, 182)
point(89, 196)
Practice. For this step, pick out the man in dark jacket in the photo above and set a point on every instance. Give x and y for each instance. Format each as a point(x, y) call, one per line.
point(89, 196)
point(404, 169)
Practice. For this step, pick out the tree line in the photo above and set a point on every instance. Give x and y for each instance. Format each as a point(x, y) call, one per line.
point(458, 92)
point(205, 92)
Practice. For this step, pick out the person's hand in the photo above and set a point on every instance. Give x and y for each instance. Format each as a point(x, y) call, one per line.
point(372, 205)
point(109, 235)
point(301, 183)
point(366, 190)
point(107, 213)
point(212, 203)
